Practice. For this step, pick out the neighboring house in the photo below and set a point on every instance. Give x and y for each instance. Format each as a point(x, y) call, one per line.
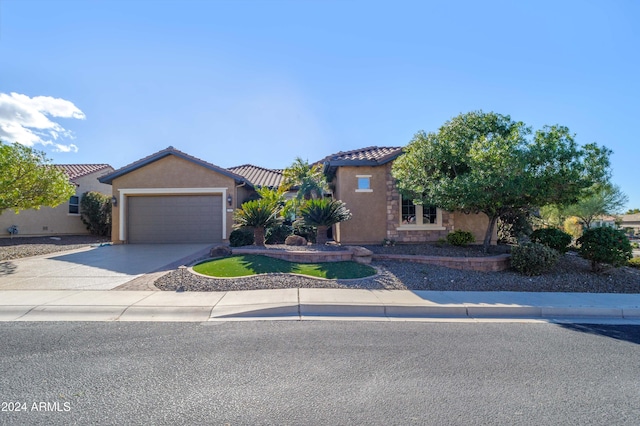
point(599, 222)
point(172, 197)
point(362, 179)
point(65, 218)
point(631, 221)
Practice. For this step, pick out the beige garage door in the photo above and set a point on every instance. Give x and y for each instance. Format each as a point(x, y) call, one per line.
point(175, 219)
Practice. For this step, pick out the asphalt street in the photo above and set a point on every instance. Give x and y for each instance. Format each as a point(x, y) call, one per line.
point(314, 373)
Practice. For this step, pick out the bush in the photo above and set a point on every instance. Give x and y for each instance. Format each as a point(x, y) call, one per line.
point(278, 234)
point(95, 211)
point(241, 237)
point(552, 237)
point(460, 238)
point(533, 258)
point(605, 245)
point(304, 230)
point(635, 262)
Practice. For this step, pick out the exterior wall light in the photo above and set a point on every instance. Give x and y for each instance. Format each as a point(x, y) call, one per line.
point(114, 201)
point(229, 199)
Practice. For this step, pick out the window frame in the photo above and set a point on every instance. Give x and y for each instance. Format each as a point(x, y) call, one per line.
point(76, 205)
point(419, 225)
point(363, 178)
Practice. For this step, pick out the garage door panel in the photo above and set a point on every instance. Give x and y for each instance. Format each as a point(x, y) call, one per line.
point(175, 219)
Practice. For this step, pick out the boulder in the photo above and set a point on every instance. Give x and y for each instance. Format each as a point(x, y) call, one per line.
point(295, 240)
point(220, 251)
point(360, 254)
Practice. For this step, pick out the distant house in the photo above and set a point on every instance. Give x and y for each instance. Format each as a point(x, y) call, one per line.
point(362, 179)
point(631, 221)
point(65, 218)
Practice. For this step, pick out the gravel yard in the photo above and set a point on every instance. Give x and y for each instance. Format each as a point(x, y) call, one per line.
point(17, 247)
point(571, 274)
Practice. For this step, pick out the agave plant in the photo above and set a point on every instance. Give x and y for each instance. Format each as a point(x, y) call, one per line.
point(259, 215)
point(322, 214)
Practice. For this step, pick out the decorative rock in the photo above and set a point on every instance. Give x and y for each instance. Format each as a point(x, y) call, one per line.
point(361, 254)
point(220, 251)
point(295, 240)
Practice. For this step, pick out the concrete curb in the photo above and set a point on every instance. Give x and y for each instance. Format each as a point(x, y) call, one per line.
point(316, 304)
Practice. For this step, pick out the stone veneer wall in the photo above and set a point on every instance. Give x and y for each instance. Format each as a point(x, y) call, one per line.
point(393, 219)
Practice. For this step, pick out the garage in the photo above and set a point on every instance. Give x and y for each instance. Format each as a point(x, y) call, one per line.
point(174, 219)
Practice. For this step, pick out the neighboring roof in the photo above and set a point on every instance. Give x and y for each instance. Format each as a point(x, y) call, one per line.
point(259, 176)
point(370, 156)
point(630, 217)
point(165, 153)
point(75, 171)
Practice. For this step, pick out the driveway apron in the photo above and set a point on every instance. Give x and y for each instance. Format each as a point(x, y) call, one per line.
point(95, 268)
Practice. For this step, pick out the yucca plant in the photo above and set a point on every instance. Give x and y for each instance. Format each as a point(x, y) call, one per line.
point(322, 214)
point(259, 215)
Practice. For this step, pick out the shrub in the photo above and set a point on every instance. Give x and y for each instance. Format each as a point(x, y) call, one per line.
point(305, 231)
point(605, 245)
point(241, 237)
point(552, 237)
point(533, 258)
point(278, 234)
point(95, 211)
point(635, 262)
point(460, 238)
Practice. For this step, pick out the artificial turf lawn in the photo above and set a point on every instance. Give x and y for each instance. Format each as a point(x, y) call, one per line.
point(251, 264)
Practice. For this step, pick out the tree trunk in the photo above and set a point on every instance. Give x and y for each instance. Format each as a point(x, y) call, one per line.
point(489, 234)
point(258, 236)
point(321, 237)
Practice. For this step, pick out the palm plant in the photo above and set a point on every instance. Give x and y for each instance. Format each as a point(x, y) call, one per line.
point(259, 214)
point(322, 214)
point(309, 179)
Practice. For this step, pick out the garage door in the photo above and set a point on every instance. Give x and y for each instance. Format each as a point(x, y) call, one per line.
point(175, 219)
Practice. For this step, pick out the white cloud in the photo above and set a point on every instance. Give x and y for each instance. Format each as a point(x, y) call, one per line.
point(26, 120)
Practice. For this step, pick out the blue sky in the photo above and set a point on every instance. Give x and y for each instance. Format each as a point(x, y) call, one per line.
point(261, 82)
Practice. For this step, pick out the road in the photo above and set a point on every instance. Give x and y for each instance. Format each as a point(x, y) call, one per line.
point(318, 373)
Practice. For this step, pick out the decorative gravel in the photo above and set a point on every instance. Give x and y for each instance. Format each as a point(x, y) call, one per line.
point(17, 247)
point(571, 274)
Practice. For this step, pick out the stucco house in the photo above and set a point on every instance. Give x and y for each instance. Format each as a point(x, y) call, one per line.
point(631, 221)
point(172, 197)
point(362, 179)
point(65, 218)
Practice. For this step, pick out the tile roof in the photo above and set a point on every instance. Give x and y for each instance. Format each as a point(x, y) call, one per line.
point(259, 176)
point(164, 153)
point(75, 171)
point(370, 156)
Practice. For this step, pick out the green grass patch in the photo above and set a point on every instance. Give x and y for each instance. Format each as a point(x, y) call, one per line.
point(251, 264)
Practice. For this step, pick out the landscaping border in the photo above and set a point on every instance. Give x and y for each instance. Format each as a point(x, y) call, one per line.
point(496, 263)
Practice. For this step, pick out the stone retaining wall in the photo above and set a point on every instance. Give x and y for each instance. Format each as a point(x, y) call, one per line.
point(305, 256)
point(483, 264)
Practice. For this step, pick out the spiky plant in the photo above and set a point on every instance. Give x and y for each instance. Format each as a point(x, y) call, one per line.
point(259, 215)
point(322, 214)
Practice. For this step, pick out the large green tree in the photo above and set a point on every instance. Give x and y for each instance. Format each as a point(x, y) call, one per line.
point(486, 162)
point(29, 181)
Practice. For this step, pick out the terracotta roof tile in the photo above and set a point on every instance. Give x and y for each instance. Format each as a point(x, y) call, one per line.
point(373, 155)
point(259, 176)
point(75, 171)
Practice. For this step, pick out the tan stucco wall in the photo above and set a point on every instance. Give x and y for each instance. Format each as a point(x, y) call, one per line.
point(476, 224)
point(172, 172)
point(368, 224)
point(49, 221)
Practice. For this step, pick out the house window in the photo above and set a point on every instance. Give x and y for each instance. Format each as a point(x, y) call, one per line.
point(364, 183)
point(416, 216)
point(74, 205)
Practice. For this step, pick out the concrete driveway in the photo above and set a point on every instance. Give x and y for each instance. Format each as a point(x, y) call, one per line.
point(95, 268)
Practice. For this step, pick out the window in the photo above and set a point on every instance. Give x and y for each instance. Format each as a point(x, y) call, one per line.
point(74, 205)
point(364, 183)
point(416, 216)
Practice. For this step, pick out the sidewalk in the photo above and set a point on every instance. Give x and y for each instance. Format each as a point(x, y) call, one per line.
point(317, 304)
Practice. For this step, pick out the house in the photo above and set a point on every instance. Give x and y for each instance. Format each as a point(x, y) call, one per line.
point(64, 219)
point(172, 197)
point(631, 222)
point(362, 180)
